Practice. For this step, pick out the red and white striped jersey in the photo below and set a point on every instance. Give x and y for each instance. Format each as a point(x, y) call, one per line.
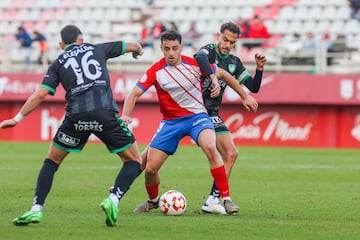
point(178, 87)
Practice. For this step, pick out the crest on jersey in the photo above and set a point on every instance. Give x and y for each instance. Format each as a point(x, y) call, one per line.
point(231, 68)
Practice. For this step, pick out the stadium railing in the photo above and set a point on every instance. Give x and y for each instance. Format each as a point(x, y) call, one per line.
point(278, 61)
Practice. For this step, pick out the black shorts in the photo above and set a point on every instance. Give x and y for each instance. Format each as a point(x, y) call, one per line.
point(219, 124)
point(75, 130)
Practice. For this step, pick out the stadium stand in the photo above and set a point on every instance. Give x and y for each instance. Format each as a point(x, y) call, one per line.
point(107, 19)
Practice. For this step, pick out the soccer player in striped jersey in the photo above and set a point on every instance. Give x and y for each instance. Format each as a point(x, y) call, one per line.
point(90, 109)
point(177, 80)
point(220, 55)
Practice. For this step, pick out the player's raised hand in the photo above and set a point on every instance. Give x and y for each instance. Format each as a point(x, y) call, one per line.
point(215, 90)
point(8, 123)
point(215, 87)
point(127, 120)
point(260, 60)
point(136, 54)
point(250, 103)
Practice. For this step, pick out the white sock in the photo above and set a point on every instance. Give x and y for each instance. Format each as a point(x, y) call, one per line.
point(37, 207)
point(155, 199)
point(226, 198)
point(212, 200)
point(114, 199)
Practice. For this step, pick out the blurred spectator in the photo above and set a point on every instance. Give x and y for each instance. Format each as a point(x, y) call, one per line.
point(291, 49)
point(338, 46)
point(191, 35)
point(23, 37)
point(258, 33)
point(300, 51)
point(309, 46)
point(294, 45)
point(354, 9)
point(173, 26)
point(339, 43)
point(43, 47)
point(309, 49)
point(326, 39)
point(157, 29)
point(146, 38)
point(244, 27)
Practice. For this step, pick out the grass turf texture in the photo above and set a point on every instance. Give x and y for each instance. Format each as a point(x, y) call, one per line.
point(283, 193)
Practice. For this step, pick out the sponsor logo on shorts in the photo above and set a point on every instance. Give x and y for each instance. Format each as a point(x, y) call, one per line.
point(88, 126)
point(68, 140)
point(199, 121)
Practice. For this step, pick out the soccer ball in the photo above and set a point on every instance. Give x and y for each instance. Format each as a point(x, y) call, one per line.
point(172, 203)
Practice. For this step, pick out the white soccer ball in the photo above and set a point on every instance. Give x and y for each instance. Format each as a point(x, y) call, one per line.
point(172, 203)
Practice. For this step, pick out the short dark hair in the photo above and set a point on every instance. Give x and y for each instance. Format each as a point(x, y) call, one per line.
point(69, 34)
point(170, 35)
point(21, 28)
point(231, 26)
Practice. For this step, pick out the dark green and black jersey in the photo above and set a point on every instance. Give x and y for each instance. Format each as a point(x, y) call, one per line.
point(231, 64)
point(82, 71)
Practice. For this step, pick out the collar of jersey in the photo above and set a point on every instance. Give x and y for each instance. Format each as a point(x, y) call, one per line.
point(70, 45)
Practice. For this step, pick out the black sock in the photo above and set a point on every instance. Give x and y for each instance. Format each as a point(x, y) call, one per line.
point(44, 181)
point(126, 177)
point(214, 191)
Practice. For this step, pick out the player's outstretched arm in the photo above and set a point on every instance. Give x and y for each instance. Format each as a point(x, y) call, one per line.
point(129, 104)
point(254, 84)
point(215, 87)
point(203, 60)
point(249, 102)
point(30, 105)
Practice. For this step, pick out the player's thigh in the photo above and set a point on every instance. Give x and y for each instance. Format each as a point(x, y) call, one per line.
point(131, 154)
point(207, 139)
point(114, 134)
point(56, 154)
point(68, 137)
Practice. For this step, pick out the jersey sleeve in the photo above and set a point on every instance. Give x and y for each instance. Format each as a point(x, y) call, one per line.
point(112, 49)
point(148, 79)
point(245, 78)
point(205, 57)
point(209, 51)
point(241, 74)
point(213, 68)
point(51, 79)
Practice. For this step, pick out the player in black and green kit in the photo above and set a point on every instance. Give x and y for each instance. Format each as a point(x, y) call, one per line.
point(90, 109)
point(219, 54)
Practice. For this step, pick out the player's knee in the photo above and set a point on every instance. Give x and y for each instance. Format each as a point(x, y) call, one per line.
point(150, 171)
point(209, 147)
point(231, 156)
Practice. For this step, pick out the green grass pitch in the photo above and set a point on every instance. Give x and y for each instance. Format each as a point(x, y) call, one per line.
point(283, 193)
